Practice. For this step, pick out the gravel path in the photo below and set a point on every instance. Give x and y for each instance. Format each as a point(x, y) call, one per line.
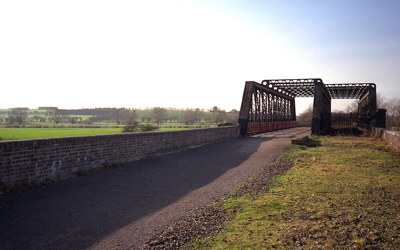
point(208, 220)
point(123, 207)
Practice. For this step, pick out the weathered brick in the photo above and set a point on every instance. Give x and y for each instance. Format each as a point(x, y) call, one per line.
point(30, 161)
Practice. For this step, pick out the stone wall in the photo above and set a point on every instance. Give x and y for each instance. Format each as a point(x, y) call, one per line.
point(35, 161)
point(391, 137)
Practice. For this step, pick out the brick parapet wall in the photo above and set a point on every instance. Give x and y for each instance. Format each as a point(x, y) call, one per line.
point(389, 136)
point(392, 138)
point(35, 161)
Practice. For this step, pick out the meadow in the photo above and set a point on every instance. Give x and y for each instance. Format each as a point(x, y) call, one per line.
point(23, 123)
point(342, 195)
point(33, 133)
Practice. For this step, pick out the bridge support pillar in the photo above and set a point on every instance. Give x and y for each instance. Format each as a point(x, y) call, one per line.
point(245, 107)
point(321, 121)
point(368, 113)
point(380, 118)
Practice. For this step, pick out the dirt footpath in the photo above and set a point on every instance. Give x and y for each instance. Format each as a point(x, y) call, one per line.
point(120, 208)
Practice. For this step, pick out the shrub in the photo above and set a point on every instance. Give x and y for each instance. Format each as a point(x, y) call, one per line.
point(135, 127)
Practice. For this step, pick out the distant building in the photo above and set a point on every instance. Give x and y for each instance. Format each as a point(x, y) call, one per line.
point(48, 108)
point(20, 108)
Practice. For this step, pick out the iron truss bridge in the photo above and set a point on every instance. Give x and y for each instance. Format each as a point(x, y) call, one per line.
point(306, 88)
point(270, 105)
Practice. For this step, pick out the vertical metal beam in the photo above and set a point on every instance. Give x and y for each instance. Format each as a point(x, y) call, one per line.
point(321, 121)
point(293, 111)
point(372, 107)
point(246, 106)
point(367, 108)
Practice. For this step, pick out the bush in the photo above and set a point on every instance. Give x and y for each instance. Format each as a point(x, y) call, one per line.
point(135, 127)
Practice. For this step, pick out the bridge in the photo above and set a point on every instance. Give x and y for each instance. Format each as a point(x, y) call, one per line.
point(270, 105)
point(124, 207)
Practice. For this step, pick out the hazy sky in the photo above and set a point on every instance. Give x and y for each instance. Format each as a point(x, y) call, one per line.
point(75, 54)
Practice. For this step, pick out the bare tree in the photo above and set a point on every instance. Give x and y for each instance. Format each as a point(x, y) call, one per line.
point(305, 118)
point(118, 114)
point(380, 100)
point(130, 116)
point(158, 114)
point(123, 115)
point(191, 116)
point(352, 107)
point(233, 116)
point(392, 107)
point(56, 115)
point(17, 115)
point(218, 115)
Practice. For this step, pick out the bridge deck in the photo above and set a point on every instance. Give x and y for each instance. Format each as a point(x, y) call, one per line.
point(121, 207)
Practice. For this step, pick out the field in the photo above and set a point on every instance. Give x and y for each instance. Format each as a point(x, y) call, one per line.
point(23, 123)
point(32, 133)
point(343, 195)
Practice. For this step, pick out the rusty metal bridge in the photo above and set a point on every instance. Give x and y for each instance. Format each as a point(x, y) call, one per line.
point(270, 105)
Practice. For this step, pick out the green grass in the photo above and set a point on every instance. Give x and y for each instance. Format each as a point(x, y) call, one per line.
point(32, 133)
point(345, 194)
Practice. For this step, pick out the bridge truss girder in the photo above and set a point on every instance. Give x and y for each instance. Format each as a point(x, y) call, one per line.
point(321, 119)
point(271, 106)
point(265, 109)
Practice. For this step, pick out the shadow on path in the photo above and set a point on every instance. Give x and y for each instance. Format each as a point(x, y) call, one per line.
point(77, 213)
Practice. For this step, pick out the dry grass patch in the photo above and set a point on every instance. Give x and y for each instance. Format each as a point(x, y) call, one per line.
point(345, 194)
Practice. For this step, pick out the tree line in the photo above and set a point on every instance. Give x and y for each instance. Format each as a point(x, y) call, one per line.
point(391, 105)
point(120, 116)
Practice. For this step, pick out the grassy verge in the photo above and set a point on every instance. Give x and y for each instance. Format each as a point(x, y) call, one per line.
point(345, 194)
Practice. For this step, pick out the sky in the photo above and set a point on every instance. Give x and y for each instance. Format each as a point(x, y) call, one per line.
point(189, 54)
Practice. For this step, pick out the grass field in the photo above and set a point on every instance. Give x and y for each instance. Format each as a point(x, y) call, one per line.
point(32, 133)
point(343, 195)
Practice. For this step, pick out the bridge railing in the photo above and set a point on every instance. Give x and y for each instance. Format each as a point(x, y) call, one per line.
point(265, 108)
point(344, 120)
point(262, 127)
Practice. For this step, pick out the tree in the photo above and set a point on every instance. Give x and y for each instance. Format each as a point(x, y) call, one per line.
point(117, 115)
point(233, 116)
point(158, 114)
point(218, 115)
point(38, 118)
point(56, 115)
point(352, 107)
point(380, 100)
point(146, 119)
point(135, 127)
point(17, 115)
point(122, 115)
point(191, 116)
point(392, 107)
point(305, 118)
point(130, 116)
point(173, 118)
point(73, 119)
